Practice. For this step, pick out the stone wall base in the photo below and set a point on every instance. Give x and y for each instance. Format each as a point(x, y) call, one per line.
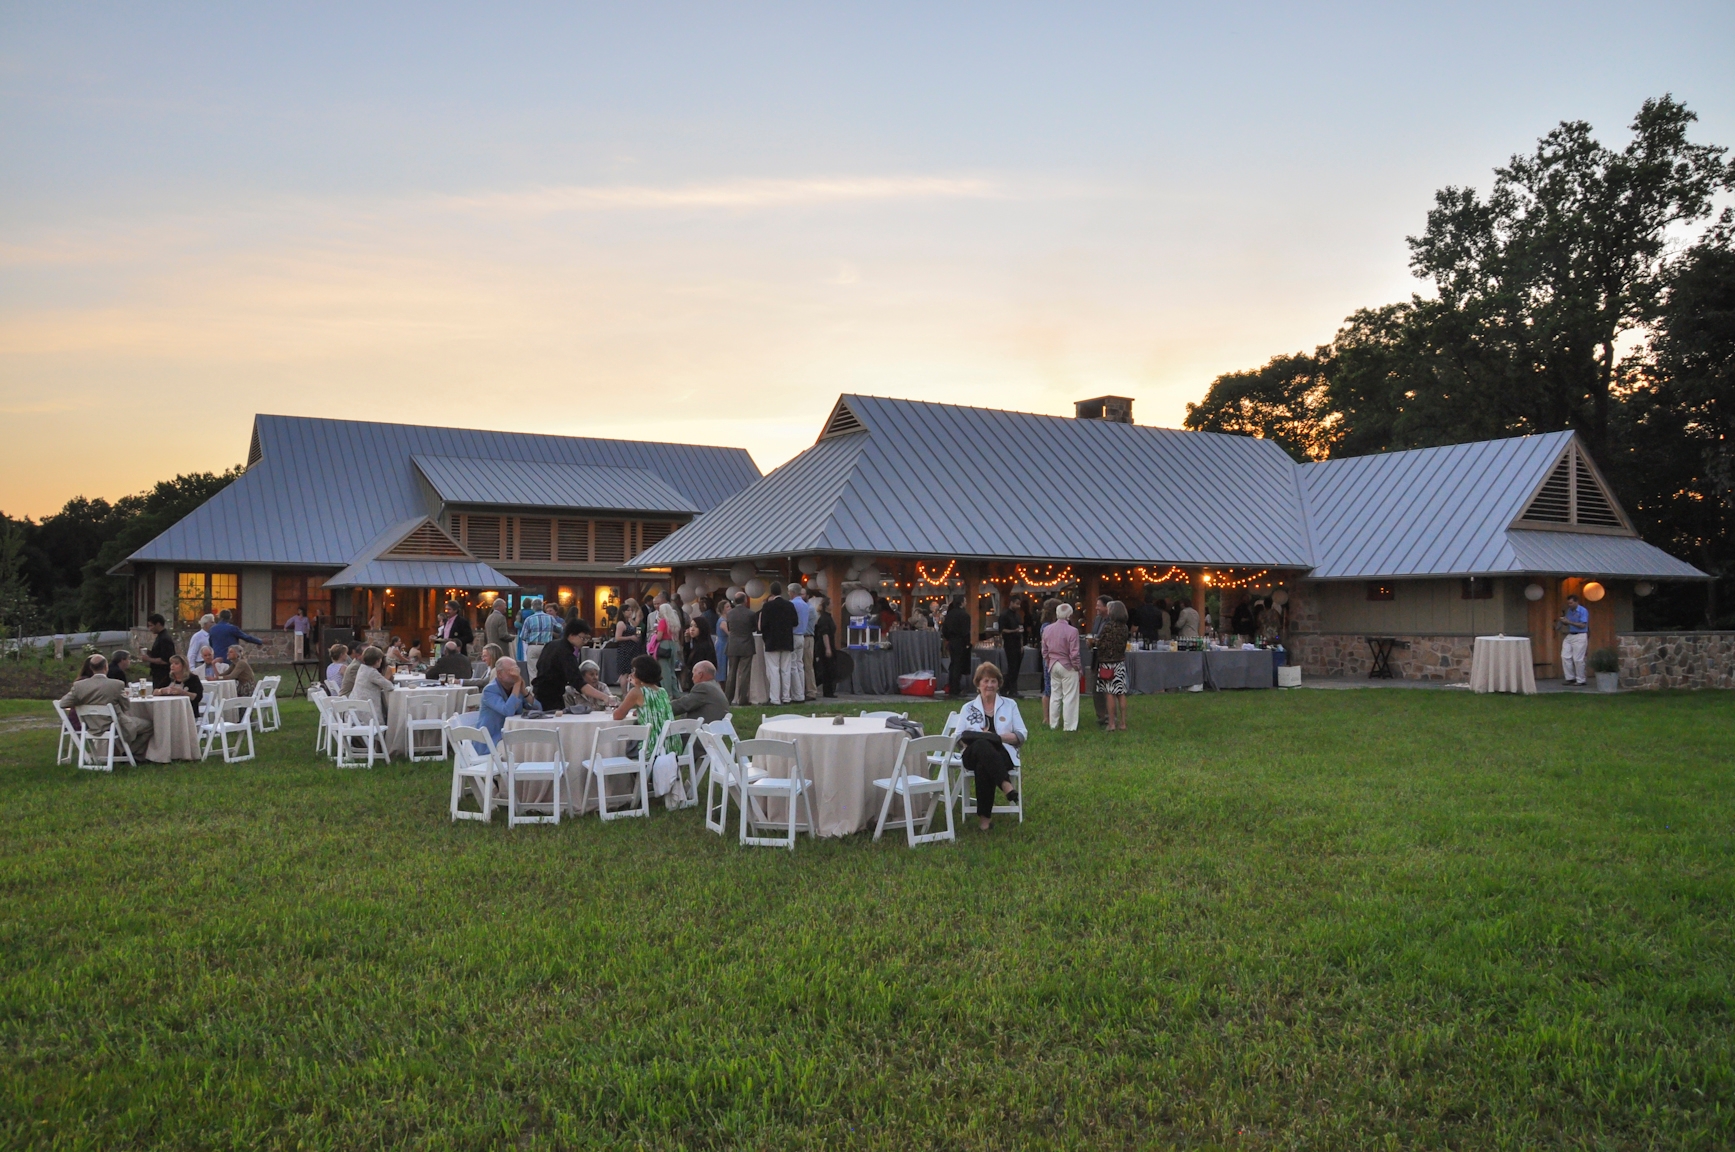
point(1677, 659)
point(277, 649)
point(1445, 658)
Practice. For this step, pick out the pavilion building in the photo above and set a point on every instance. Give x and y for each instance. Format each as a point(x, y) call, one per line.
point(375, 526)
point(1424, 549)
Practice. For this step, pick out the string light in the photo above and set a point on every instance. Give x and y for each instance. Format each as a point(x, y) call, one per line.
point(1048, 580)
point(922, 571)
point(1233, 582)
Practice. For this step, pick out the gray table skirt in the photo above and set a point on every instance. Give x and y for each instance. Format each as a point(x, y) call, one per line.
point(1161, 671)
point(876, 673)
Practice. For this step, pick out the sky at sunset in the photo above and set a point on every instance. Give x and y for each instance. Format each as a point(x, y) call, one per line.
point(703, 223)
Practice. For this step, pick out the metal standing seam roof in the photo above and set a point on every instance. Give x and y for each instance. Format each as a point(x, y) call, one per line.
point(471, 574)
point(924, 479)
point(322, 489)
point(519, 483)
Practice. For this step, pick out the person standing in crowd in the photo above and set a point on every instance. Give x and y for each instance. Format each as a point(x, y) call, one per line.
point(161, 650)
point(1098, 698)
point(1012, 640)
point(503, 696)
point(1241, 621)
point(715, 609)
point(1576, 623)
point(805, 688)
point(457, 627)
point(824, 647)
point(224, 635)
point(955, 632)
point(704, 701)
point(989, 761)
point(1049, 607)
point(97, 690)
point(497, 629)
point(777, 620)
point(527, 606)
point(119, 664)
point(240, 671)
point(1187, 623)
point(560, 669)
point(741, 623)
point(196, 643)
point(1111, 665)
point(1148, 619)
point(334, 671)
point(1060, 656)
point(666, 628)
point(536, 631)
point(701, 645)
point(298, 623)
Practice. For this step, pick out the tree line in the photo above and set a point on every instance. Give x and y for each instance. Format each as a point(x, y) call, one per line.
point(1590, 289)
point(54, 573)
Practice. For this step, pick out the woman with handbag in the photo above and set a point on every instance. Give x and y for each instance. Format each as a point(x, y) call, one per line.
point(1111, 665)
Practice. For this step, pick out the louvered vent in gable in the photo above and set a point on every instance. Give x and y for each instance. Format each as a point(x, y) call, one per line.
point(535, 538)
point(574, 537)
point(1553, 504)
point(842, 422)
point(254, 452)
point(425, 541)
point(1591, 504)
point(482, 536)
point(654, 531)
point(611, 542)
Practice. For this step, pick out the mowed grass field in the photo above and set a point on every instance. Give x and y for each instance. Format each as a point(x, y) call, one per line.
point(1371, 919)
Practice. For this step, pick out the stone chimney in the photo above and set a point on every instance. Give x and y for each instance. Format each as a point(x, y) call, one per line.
point(1118, 409)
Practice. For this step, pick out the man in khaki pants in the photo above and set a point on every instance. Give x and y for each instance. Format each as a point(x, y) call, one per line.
point(1060, 656)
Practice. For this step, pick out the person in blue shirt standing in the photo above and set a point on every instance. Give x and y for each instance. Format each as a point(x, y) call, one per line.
point(1576, 620)
point(805, 688)
point(224, 635)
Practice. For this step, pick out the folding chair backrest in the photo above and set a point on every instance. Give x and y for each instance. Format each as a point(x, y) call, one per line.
point(473, 702)
point(953, 722)
point(715, 750)
point(524, 745)
point(235, 709)
point(467, 739)
point(68, 720)
point(747, 750)
point(685, 729)
point(917, 751)
point(618, 734)
point(426, 706)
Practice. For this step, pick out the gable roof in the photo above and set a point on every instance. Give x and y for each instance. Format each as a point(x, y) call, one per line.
point(317, 491)
point(911, 478)
point(417, 553)
point(522, 484)
point(903, 477)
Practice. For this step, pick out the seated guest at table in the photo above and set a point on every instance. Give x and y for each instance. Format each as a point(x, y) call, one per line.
point(415, 657)
point(225, 635)
point(162, 647)
point(239, 671)
point(97, 689)
point(652, 701)
point(339, 654)
point(207, 665)
point(92, 666)
point(119, 664)
point(183, 681)
point(395, 653)
point(353, 669)
point(991, 762)
point(1111, 665)
point(705, 700)
point(451, 663)
point(593, 693)
point(558, 669)
point(824, 646)
point(197, 641)
point(741, 626)
point(492, 654)
point(371, 685)
point(504, 696)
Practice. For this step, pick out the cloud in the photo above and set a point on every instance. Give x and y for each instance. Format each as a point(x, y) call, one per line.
point(730, 194)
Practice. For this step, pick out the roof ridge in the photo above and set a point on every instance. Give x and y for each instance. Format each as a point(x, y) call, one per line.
point(332, 420)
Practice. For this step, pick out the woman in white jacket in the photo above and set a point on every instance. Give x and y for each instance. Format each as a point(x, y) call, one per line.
point(992, 761)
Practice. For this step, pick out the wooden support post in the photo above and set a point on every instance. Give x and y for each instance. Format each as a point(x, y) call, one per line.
point(834, 592)
point(1199, 597)
point(907, 575)
point(972, 598)
point(1092, 588)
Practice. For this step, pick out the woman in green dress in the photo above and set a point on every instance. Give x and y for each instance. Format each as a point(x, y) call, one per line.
point(648, 695)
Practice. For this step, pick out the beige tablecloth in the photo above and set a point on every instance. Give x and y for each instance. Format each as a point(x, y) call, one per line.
point(577, 744)
point(841, 761)
point(218, 691)
point(398, 713)
point(174, 730)
point(1502, 664)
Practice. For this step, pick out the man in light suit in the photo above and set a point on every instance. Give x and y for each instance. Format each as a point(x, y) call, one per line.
point(96, 690)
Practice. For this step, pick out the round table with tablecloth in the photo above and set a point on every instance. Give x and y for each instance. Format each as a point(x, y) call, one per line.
point(174, 728)
point(841, 762)
point(577, 744)
point(1502, 664)
point(451, 698)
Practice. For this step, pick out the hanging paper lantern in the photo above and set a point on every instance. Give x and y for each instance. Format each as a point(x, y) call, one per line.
point(870, 577)
point(810, 564)
point(821, 581)
point(1643, 588)
point(755, 588)
point(733, 591)
point(742, 571)
point(1594, 591)
point(860, 562)
point(1533, 592)
point(1280, 597)
point(859, 601)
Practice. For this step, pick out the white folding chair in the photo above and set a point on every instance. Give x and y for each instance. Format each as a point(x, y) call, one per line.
point(532, 756)
point(602, 769)
point(885, 715)
point(686, 759)
point(721, 780)
point(71, 736)
point(322, 736)
point(233, 717)
point(266, 716)
point(426, 713)
point(911, 779)
point(756, 783)
point(473, 702)
point(112, 740)
point(358, 732)
point(964, 778)
point(476, 764)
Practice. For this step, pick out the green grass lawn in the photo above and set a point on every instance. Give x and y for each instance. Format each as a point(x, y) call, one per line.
point(1259, 920)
